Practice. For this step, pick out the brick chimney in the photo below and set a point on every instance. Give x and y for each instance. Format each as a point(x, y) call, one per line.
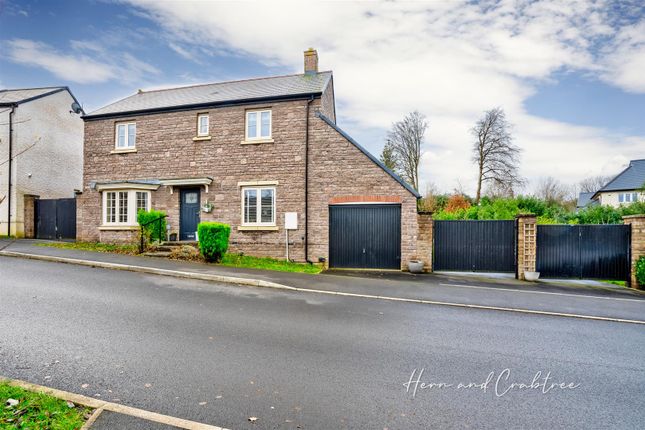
point(311, 61)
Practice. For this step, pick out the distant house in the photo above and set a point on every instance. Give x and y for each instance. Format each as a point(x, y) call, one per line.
point(625, 188)
point(41, 150)
point(585, 199)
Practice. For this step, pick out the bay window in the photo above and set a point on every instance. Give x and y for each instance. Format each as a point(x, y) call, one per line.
point(120, 207)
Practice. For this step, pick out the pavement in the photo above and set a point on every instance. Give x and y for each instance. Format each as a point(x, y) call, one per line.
point(220, 354)
point(583, 299)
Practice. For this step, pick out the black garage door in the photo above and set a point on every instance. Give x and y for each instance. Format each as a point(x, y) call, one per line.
point(365, 236)
point(55, 218)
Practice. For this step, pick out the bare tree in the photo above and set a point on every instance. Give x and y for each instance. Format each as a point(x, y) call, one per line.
point(405, 139)
point(593, 183)
point(494, 153)
point(551, 190)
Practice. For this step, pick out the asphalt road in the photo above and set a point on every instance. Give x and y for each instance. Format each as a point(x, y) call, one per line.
point(222, 354)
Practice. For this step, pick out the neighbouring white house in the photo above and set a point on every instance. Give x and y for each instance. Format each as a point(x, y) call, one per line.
point(627, 187)
point(41, 150)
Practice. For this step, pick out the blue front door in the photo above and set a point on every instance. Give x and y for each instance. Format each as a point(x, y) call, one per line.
point(188, 213)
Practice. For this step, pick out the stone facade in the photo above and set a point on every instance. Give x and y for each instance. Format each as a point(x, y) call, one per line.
point(526, 244)
point(637, 223)
point(165, 149)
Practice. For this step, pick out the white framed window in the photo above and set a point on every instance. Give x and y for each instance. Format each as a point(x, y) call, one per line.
point(120, 207)
point(202, 124)
point(258, 124)
point(627, 197)
point(258, 206)
point(126, 135)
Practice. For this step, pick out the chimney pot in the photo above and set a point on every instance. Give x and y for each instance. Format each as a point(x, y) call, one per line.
point(311, 61)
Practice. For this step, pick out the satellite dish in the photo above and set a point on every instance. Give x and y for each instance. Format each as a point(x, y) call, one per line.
point(76, 108)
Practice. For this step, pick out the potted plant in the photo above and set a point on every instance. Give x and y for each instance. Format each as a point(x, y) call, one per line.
point(415, 266)
point(207, 207)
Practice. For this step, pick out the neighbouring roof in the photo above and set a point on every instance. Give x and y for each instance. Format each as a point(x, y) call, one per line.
point(370, 156)
point(9, 97)
point(584, 199)
point(632, 178)
point(218, 93)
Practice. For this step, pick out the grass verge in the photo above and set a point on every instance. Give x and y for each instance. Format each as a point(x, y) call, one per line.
point(266, 263)
point(619, 283)
point(92, 246)
point(38, 411)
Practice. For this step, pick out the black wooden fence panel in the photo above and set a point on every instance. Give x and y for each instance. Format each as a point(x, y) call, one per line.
point(474, 246)
point(55, 218)
point(583, 251)
point(365, 236)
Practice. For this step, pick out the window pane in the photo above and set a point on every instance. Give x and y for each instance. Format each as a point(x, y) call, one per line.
point(621, 197)
point(267, 205)
point(635, 197)
point(266, 124)
point(142, 201)
point(132, 129)
point(190, 198)
point(110, 207)
point(250, 206)
point(121, 136)
point(123, 206)
point(203, 124)
point(251, 124)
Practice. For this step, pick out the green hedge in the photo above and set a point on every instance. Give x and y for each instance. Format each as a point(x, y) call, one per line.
point(155, 231)
point(640, 272)
point(213, 239)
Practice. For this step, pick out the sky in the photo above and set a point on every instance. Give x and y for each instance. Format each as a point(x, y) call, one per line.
point(570, 75)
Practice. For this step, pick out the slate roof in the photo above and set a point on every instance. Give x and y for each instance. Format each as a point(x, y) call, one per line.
point(396, 177)
point(632, 178)
point(218, 93)
point(22, 95)
point(584, 199)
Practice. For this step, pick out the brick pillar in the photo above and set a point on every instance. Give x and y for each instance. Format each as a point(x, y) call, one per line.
point(637, 223)
point(526, 244)
point(29, 216)
point(424, 239)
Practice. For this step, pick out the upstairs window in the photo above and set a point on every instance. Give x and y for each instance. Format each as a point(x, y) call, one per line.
point(202, 125)
point(258, 206)
point(258, 124)
point(126, 135)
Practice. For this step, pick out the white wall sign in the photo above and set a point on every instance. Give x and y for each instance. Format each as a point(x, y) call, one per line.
point(291, 220)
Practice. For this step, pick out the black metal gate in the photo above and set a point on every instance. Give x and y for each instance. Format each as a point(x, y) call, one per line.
point(55, 218)
point(583, 251)
point(487, 246)
point(365, 236)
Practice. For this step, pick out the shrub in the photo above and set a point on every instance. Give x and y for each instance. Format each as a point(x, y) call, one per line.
point(155, 230)
point(456, 202)
point(640, 271)
point(213, 239)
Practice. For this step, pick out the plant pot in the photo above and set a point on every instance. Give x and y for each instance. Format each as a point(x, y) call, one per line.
point(415, 266)
point(531, 276)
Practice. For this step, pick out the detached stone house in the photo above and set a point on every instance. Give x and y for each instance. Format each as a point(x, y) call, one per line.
point(41, 153)
point(255, 154)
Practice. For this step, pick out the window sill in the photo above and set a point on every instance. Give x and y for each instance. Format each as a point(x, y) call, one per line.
point(119, 227)
point(200, 138)
point(257, 228)
point(256, 141)
point(123, 151)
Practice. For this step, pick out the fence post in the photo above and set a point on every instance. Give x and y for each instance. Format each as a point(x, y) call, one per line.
point(637, 224)
point(526, 244)
point(425, 236)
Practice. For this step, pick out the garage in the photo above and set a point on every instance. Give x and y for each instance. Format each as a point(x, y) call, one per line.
point(365, 236)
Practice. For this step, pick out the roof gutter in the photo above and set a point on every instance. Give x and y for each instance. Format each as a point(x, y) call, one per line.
point(180, 108)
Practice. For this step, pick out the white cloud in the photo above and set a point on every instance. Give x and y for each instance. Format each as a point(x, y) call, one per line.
point(87, 63)
point(451, 60)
